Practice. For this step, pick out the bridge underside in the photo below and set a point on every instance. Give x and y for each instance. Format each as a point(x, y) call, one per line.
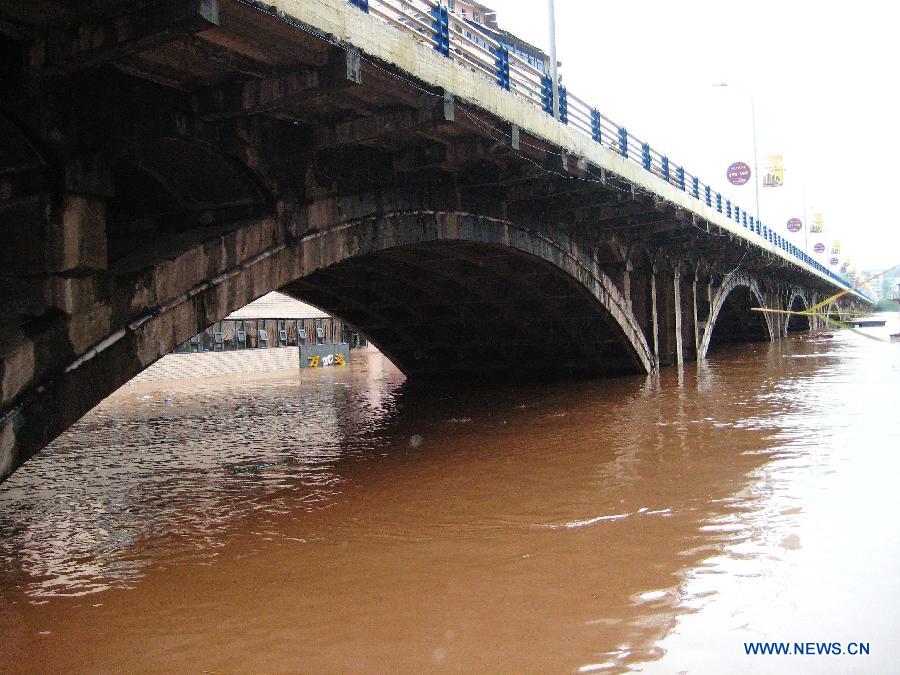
point(798, 323)
point(164, 163)
point(737, 322)
point(446, 308)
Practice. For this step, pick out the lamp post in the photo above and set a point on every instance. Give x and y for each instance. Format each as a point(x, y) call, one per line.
point(755, 153)
point(554, 79)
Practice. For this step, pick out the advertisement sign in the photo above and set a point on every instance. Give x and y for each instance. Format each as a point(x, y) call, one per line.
point(794, 225)
point(738, 173)
point(818, 225)
point(774, 175)
point(836, 247)
point(833, 262)
point(819, 248)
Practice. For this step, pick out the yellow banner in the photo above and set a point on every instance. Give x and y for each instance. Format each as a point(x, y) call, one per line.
point(774, 176)
point(836, 247)
point(818, 225)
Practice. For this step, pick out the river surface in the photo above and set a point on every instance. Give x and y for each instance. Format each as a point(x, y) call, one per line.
point(343, 520)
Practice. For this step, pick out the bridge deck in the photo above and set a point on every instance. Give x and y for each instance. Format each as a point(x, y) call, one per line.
point(577, 155)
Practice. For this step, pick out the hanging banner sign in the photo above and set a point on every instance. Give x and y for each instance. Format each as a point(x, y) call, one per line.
point(738, 173)
point(818, 226)
point(774, 175)
point(819, 248)
point(843, 269)
point(833, 262)
point(794, 225)
point(835, 247)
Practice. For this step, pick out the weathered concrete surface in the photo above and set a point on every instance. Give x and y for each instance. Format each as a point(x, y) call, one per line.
point(164, 163)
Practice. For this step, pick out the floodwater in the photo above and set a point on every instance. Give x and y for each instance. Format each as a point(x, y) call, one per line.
point(342, 520)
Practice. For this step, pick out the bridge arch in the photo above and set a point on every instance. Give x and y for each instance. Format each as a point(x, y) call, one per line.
point(834, 313)
point(732, 304)
point(796, 324)
point(438, 292)
point(392, 276)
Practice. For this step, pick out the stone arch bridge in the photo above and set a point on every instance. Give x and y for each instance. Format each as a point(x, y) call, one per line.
point(163, 164)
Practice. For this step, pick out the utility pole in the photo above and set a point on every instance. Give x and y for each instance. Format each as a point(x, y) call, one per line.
point(805, 221)
point(554, 77)
point(755, 152)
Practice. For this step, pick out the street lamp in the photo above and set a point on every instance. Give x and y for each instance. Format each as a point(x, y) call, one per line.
point(755, 153)
point(554, 79)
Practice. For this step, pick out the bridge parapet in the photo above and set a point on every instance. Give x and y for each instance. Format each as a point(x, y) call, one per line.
point(473, 48)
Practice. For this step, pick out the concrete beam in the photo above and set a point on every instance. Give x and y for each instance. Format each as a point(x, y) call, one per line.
point(272, 94)
point(435, 112)
point(91, 44)
point(449, 155)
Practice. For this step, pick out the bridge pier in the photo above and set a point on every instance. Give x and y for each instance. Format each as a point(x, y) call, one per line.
point(668, 302)
point(696, 324)
point(655, 318)
point(678, 307)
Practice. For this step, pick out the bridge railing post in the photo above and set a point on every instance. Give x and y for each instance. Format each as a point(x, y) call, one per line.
point(502, 61)
point(719, 202)
point(679, 177)
point(623, 142)
point(440, 24)
point(695, 187)
point(547, 99)
point(595, 125)
point(708, 196)
point(645, 156)
point(547, 94)
point(665, 169)
point(728, 208)
point(563, 105)
point(361, 5)
point(737, 214)
point(745, 220)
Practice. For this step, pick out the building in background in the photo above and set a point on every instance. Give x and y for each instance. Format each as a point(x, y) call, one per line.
point(475, 12)
point(873, 287)
point(483, 20)
point(884, 285)
point(274, 320)
point(273, 333)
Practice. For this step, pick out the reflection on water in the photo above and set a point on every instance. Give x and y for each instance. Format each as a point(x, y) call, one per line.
point(345, 520)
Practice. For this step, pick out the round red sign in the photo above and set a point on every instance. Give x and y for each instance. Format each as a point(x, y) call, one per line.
point(819, 248)
point(738, 173)
point(794, 225)
point(833, 261)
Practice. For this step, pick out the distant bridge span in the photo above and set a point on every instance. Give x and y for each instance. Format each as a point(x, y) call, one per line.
point(163, 164)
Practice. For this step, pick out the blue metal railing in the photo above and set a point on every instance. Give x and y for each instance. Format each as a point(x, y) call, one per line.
point(481, 50)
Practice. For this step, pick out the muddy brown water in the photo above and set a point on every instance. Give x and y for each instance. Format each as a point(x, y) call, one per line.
point(344, 521)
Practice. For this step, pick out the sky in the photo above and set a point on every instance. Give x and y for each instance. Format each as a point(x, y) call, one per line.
point(822, 76)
